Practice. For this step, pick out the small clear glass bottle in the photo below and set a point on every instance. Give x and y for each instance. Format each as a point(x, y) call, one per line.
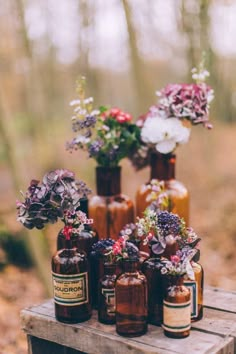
point(106, 295)
point(70, 275)
point(131, 301)
point(176, 307)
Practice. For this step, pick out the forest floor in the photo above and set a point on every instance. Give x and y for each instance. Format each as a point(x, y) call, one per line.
point(207, 167)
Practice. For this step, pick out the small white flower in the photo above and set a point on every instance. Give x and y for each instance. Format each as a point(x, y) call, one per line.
point(88, 100)
point(75, 102)
point(80, 139)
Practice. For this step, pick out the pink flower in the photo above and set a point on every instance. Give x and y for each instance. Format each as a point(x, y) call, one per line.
point(116, 248)
point(175, 259)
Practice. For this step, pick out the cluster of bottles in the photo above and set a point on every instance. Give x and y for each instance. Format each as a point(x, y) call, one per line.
point(130, 295)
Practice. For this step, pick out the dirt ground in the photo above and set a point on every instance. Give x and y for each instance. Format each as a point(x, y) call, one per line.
point(18, 289)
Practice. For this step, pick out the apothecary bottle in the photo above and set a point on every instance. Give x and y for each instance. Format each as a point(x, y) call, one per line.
point(110, 209)
point(131, 301)
point(70, 275)
point(176, 307)
point(163, 169)
point(151, 268)
point(85, 239)
point(196, 287)
point(106, 295)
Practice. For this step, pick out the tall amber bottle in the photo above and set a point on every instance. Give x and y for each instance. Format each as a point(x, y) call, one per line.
point(109, 209)
point(196, 287)
point(131, 301)
point(163, 168)
point(106, 295)
point(176, 308)
point(151, 268)
point(70, 275)
point(86, 238)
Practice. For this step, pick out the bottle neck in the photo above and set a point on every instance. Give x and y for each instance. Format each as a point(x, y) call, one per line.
point(70, 243)
point(108, 180)
point(84, 205)
point(130, 266)
point(175, 280)
point(109, 268)
point(162, 166)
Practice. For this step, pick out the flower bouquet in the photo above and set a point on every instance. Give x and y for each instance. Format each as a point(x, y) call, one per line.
point(108, 136)
point(166, 126)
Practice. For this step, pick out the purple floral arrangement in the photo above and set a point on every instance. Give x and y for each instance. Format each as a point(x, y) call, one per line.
point(57, 197)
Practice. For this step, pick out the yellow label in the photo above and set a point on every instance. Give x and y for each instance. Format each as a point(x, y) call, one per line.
point(70, 290)
point(176, 317)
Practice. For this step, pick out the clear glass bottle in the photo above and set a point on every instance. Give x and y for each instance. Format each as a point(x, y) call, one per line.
point(196, 288)
point(106, 295)
point(109, 209)
point(176, 307)
point(131, 301)
point(86, 238)
point(163, 168)
point(151, 268)
point(70, 275)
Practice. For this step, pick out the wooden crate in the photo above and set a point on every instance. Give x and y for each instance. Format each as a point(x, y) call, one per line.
point(214, 334)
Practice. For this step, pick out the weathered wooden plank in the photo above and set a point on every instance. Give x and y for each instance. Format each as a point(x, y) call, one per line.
point(220, 299)
point(94, 337)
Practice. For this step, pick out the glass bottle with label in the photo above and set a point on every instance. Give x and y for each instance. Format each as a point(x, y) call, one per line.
point(176, 307)
point(196, 288)
point(70, 274)
point(131, 301)
point(106, 295)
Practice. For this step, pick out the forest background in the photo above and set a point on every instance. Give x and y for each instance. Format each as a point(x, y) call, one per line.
point(127, 49)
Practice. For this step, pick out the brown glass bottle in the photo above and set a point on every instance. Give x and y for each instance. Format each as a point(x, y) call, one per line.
point(163, 168)
point(85, 239)
point(70, 273)
point(106, 295)
point(109, 209)
point(196, 288)
point(131, 301)
point(176, 308)
point(151, 268)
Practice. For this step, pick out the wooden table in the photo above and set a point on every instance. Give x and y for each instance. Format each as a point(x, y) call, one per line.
point(215, 333)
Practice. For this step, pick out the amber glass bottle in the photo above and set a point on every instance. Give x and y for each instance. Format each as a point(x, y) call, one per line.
point(163, 168)
point(176, 308)
point(106, 295)
point(70, 274)
point(151, 268)
point(131, 301)
point(196, 288)
point(83, 240)
point(109, 209)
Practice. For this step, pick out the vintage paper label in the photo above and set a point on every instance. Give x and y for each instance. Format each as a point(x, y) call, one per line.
point(193, 287)
point(109, 295)
point(176, 317)
point(70, 290)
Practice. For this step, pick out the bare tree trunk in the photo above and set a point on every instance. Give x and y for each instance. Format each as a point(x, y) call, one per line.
point(35, 240)
point(140, 83)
